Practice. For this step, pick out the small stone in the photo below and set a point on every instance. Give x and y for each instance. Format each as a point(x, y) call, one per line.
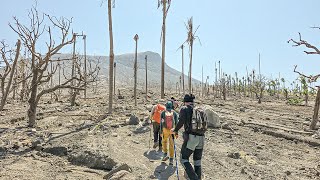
point(242, 109)
point(60, 124)
point(298, 115)
point(235, 155)
point(243, 171)
point(267, 118)
point(129, 135)
point(259, 147)
point(288, 173)
point(114, 135)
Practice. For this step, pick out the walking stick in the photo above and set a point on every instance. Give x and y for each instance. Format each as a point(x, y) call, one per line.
point(175, 156)
point(150, 135)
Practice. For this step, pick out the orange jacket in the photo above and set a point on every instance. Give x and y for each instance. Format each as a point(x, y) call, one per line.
point(157, 112)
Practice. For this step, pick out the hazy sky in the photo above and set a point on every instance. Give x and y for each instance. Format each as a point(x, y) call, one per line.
point(231, 31)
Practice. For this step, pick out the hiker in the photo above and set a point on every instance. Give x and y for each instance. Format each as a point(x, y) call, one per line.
point(156, 117)
point(175, 104)
point(195, 126)
point(169, 120)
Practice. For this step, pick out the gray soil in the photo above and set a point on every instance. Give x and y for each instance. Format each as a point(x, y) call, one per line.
point(82, 142)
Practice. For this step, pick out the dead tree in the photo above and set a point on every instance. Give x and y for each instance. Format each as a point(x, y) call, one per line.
point(165, 8)
point(39, 63)
point(258, 88)
point(111, 57)
point(114, 78)
point(182, 75)
point(9, 69)
point(146, 63)
point(136, 37)
point(313, 50)
point(190, 39)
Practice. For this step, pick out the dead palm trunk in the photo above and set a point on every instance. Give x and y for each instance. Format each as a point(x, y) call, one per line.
point(190, 67)
point(136, 37)
point(182, 71)
point(111, 58)
point(164, 10)
point(114, 78)
point(6, 92)
point(146, 58)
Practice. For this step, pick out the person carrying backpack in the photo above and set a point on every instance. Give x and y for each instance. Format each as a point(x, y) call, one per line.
point(169, 120)
point(156, 117)
point(195, 125)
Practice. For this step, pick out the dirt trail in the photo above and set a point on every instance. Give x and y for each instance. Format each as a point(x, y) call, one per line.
point(67, 132)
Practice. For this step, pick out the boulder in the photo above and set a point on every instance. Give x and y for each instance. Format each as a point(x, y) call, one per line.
point(133, 120)
point(213, 117)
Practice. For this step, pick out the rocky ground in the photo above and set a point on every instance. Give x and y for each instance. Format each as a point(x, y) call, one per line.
point(256, 141)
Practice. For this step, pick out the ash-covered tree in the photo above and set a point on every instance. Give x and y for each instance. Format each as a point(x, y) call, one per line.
point(42, 26)
point(312, 49)
point(165, 8)
point(8, 70)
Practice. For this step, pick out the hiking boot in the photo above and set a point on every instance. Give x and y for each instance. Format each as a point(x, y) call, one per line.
point(165, 157)
point(171, 161)
point(155, 145)
point(160, 148)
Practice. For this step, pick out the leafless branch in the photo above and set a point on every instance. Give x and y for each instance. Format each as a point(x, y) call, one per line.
point(310, 77)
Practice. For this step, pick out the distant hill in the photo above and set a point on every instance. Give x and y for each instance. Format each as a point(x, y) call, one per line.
point(124, 69)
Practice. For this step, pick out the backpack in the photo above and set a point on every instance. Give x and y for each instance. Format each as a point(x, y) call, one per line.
point(199, 121)
point(169, 120)
point(157, 112)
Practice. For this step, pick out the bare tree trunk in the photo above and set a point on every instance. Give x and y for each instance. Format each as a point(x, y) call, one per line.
point(6, 92)
point(111, 56)
point(146, 58)
point(114, 79)
point(136, 37)
point(224, 91)
point(190, 68)
point(32, 100)
point(85, 66)
point(164, 10)
point(315, 111)
point(182, 76)
point(202, 82)
point(73, 91)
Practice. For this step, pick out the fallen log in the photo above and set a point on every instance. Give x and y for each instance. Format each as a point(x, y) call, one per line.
point(275, 126)
point(278, 134)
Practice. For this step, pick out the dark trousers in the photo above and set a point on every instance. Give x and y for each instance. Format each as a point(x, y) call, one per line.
point(156, 133)
point(192, 145)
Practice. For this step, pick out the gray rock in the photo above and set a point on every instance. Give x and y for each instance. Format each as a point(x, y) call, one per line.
point(92, 160)
point(58, 151)
point(134, 120)
point(242, 109)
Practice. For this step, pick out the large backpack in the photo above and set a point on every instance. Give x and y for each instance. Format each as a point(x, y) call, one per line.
point(199, 121)
point(169, 120)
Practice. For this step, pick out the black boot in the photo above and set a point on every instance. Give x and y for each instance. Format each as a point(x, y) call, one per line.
point(197, 170)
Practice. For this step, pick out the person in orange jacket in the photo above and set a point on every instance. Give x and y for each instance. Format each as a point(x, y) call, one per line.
point(156, 117)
